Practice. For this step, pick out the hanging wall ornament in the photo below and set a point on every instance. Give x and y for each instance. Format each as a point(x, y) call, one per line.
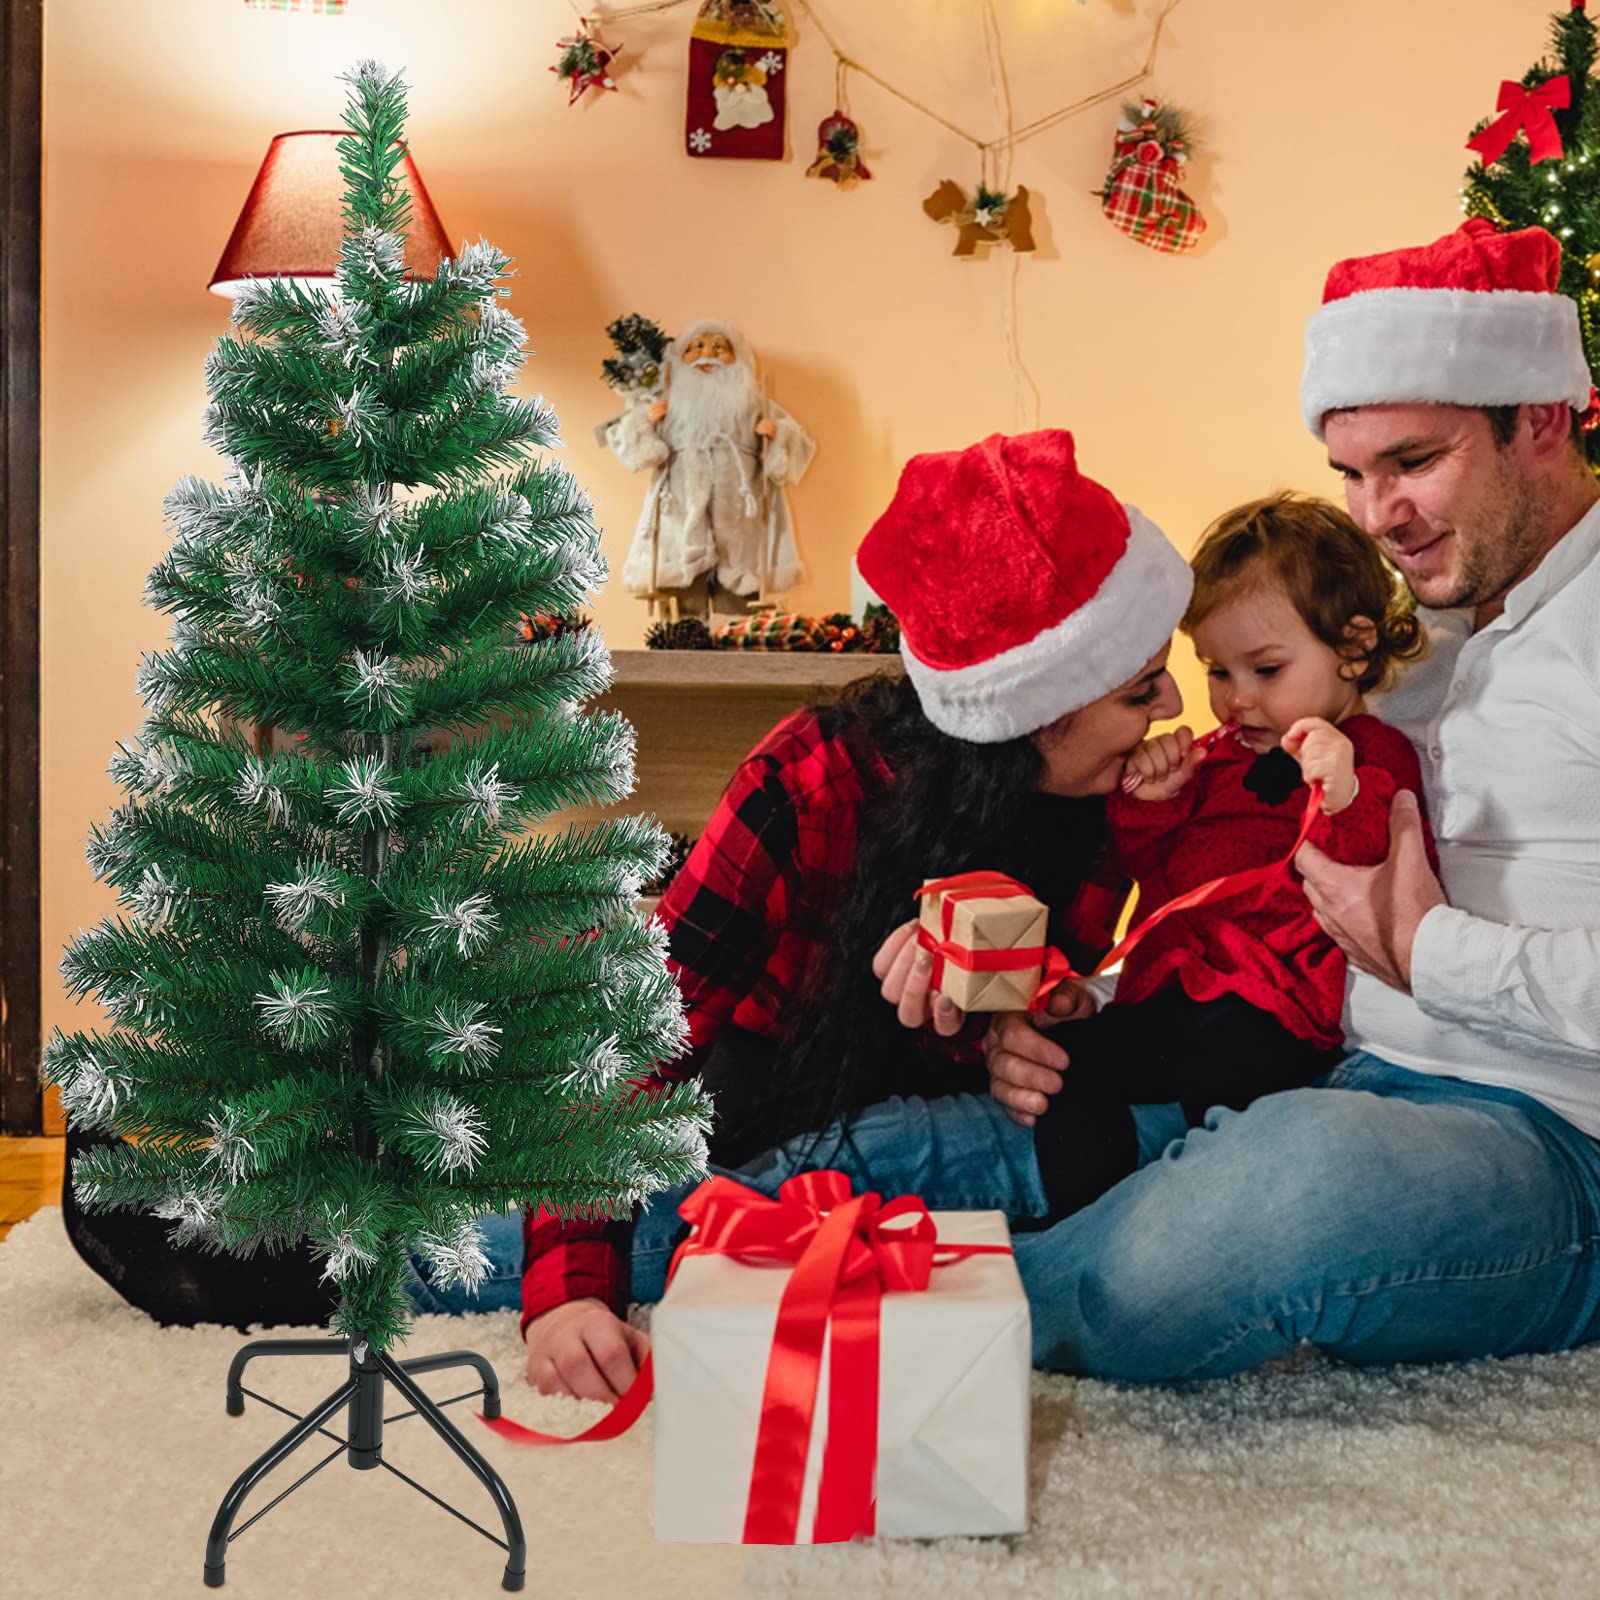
point(585, 61)
point(1142, 195)
point(989, 217)
point(839, 152)
point(738, 50)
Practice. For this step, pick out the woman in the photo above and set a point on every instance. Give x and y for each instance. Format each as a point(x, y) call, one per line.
point(1036, 614)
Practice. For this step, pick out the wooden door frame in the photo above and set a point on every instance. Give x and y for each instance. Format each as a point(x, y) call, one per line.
point(22, 74)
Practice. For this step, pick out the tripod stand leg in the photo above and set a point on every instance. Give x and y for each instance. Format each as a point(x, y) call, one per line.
point(516, 1545)
point(217, 1544)
point(463, 1358)
point(272, 1347)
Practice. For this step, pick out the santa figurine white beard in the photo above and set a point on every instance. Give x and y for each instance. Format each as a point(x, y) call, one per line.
point(716, 504)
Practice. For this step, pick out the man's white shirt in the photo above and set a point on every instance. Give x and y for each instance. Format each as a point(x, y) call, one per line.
point(1506, 978)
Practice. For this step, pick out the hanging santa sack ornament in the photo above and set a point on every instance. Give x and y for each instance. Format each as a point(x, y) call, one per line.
point(1142, 195)
point(585, 62)
point(839, 152)
point(738, 50)
point(989, 217)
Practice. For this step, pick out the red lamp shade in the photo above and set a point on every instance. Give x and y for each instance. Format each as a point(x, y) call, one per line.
point(292, 226)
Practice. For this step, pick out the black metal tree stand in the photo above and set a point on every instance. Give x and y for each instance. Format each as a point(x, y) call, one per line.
point(363, 1391)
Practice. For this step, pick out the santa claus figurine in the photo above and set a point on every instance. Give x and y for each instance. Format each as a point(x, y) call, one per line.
point(722, 453)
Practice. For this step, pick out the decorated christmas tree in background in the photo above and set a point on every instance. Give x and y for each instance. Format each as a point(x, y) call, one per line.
point(1539, 166)
point(353, 1000)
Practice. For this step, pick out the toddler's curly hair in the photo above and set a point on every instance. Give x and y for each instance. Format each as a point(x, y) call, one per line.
point(1331, 572)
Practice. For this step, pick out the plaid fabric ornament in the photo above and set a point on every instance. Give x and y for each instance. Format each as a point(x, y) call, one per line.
point(1142, 195)
point(789, 630)
point(773, 630)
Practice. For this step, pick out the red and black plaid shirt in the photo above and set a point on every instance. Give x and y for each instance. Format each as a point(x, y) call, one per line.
point(745, 916)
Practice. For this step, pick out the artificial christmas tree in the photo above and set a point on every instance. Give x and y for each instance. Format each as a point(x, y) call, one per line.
point(352, 1001)
point(1539, 166)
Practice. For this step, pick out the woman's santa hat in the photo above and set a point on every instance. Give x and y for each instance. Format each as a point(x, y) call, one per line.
point(1473, 319)
point(1022, 588)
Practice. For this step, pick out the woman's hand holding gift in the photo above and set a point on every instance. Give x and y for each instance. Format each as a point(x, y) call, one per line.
point(905, 971)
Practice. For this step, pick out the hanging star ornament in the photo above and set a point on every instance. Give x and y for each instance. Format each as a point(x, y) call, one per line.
point(585, 61)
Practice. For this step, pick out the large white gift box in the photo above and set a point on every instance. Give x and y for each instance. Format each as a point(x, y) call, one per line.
point(953, 1409)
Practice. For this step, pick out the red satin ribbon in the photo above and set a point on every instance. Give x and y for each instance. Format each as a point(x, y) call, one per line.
point(1528, 109)
point(847, 1251)
point(1056, 966)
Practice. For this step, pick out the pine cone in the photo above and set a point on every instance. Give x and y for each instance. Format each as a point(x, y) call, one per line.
point(880, 632)
point(688, 633)
point(679, 846)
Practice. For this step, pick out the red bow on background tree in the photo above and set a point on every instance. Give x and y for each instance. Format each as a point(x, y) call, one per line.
point(1550, 177)
point(1531, 111)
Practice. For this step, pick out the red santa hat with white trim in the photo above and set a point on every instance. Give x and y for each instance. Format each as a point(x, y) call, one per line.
point(1473, 319)
point(1023, 589)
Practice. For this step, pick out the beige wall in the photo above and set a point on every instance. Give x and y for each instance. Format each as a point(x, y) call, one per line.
point(1328, 130)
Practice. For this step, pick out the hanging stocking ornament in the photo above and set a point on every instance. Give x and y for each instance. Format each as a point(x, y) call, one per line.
point(839, 152)
point(585, 61)
point(989, 217)
point(738, 50)
point(1142, 195)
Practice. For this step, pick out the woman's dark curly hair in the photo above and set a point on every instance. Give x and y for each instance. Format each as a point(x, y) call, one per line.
point(950, 805)
point(1330, 570)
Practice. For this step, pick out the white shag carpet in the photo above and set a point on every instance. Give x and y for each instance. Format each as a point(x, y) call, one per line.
point(1310, 1480)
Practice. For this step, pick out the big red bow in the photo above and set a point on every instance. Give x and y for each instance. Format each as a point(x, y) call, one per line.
point(1529, 109)
point(848, 1250)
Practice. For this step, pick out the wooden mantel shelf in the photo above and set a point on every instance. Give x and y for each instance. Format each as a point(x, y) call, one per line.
point(699, 713)
point(746, 669)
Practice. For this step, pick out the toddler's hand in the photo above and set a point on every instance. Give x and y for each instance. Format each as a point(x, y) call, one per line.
point(1163, 765)
point(1327, 757)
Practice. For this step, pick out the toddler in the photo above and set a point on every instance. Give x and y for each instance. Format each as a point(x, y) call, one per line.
point(1296, 619)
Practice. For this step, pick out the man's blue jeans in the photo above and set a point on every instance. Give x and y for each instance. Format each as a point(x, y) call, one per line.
point(1384, 1216)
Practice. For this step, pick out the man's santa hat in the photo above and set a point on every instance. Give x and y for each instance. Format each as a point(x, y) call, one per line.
point(1022, 588)
point(1473, 319)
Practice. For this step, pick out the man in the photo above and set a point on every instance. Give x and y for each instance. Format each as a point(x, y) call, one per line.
point(1440, 1198)
point(722, 452)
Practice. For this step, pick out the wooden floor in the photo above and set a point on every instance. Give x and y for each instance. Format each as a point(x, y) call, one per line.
point(30, 1177)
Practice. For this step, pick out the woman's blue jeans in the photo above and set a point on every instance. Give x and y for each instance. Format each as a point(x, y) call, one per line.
point(1384, 1215)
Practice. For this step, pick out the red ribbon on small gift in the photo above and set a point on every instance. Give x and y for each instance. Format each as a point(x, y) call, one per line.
point(1057, 969)
point(848, 1251)
point(1529, 109)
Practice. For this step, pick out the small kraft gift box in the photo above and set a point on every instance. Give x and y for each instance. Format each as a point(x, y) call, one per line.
point(986, 934)
point(856, 1403)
